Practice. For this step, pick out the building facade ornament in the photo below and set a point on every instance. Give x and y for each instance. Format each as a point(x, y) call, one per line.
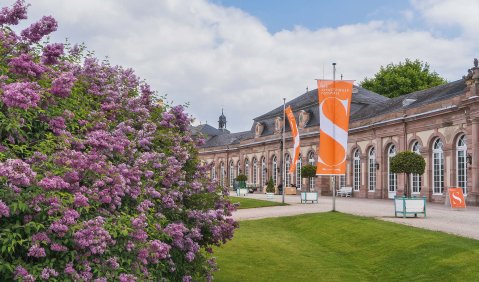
point(303, 118)
point(278, 125)
point(258, 130)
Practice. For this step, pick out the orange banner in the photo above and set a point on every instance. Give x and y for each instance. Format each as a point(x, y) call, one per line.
point(456, 197)
point(295, 135)
point(334, 98)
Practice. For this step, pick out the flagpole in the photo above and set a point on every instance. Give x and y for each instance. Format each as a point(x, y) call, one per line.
point(284, 163)
point(334, 177)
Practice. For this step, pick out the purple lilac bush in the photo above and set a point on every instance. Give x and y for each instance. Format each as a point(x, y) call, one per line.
point(98, 180)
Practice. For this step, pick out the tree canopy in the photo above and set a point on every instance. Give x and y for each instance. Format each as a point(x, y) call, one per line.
point(408, 162)
point(308, 171)
point(406, 77)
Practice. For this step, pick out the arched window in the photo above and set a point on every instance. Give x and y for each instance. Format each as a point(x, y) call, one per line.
point(288, 174)
point(255, 171)
point(342, 180)
point(416, 178)
point(392, 177)
point(311, 161)
point(263, 172)
point(298, 172)
point(275, 171)
point(238, 168)
point(438, 167)
point(222, 174)
point(232, 173)
point(213, 172)
point(246, 170)
point(357, 170)
point(372, 170)
point(461, 153)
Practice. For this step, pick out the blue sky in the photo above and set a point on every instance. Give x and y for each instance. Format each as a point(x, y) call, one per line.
point(245, 56)
point(286, 14)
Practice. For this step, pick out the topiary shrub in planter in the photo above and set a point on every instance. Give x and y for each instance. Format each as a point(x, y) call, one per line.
point(408, 162)
point(98, 180)
point(270, 188)
point(270, 185)
point(308, 171)
point(241, 178)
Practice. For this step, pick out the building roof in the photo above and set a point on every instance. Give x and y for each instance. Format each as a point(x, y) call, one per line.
point(365, 104)
point(309, 103)
point(227, 139)
point(310, 98)
point(205, 129)
point(412, 100)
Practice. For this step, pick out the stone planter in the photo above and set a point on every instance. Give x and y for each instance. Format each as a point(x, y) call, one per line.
point(269, 195)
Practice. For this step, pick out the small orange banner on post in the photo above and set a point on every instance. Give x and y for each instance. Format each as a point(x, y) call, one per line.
point(456, 197)
point(295, 135)
point(334, 108)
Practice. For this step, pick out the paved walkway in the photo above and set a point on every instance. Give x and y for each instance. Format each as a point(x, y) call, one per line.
point(439, 217)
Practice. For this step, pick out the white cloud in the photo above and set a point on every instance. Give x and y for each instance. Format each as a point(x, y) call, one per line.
point(215, 57)
point(455, 13)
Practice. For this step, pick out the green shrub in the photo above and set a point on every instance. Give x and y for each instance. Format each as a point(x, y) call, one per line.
point(270, 185)
point(241, 177)
point(98, 180)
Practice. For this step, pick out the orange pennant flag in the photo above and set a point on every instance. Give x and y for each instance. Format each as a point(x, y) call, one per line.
point(334, 109)
point(295, 135)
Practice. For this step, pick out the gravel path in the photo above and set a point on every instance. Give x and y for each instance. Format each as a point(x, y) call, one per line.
point(439, 217)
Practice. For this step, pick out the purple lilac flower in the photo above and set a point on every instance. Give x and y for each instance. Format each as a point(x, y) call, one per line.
point(4, 210)
point(58, 248)
point(47, 272)
point(36, 31)
point(70, 216)
point(57, 124)
point(113, 262)
point(158, 250)
point(187, 278)
point(145, 206)
point(59, 228)
point(62, 85)
point(15, 14)
point(23, 275)
point(127, 278)
point(139, 222)
point(21, 95)
point(51, 53)
point(93, 236)
point(36, 251)
point(69, 269)
point(41, 237)
point(24, 65)
point(53, 183)
point(80, 200)
point(139, 235)
point(176, 231)
point(17, 172)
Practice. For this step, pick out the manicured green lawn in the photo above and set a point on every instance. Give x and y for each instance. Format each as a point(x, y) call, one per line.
point(247, 203)
point(340, 247)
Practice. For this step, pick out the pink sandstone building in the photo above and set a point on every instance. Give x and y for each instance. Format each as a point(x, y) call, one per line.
point(441, 124)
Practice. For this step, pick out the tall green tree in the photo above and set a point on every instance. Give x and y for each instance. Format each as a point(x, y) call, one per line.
point(406, 77)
